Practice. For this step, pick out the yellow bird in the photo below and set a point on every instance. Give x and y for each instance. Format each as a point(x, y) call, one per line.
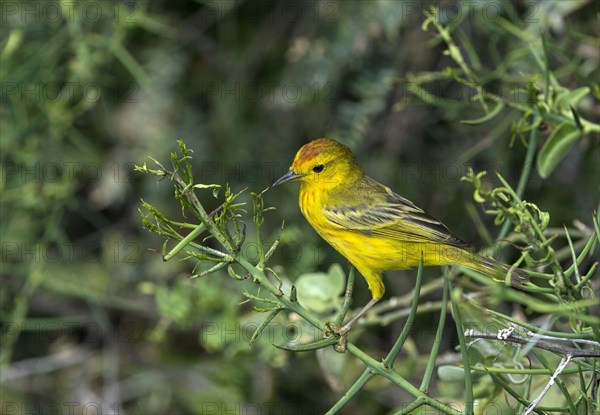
point(373, 227)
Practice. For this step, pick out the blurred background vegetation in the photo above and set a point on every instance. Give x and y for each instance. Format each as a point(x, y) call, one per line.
point(91, 315)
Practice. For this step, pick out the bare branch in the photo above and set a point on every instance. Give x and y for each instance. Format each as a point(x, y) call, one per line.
point(563, 363)
point(540, 344)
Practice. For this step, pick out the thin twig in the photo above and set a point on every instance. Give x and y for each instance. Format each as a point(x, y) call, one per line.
point(559, 339)
point(563, 363)
point(454, 294)
point(540, 344)
point(46, 364)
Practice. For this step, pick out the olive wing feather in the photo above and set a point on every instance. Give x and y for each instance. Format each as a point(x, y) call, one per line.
point(373, 209)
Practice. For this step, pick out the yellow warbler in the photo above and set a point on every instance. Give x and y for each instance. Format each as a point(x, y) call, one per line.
point(373, 227)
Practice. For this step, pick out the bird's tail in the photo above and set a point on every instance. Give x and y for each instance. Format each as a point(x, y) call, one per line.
point(499, 271)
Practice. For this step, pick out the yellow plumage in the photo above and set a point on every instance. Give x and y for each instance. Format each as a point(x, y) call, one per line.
point(373, 227)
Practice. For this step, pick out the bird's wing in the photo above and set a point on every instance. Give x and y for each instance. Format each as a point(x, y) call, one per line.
point(384, 213)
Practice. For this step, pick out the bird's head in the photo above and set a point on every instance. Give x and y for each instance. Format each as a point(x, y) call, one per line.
point(323, 163)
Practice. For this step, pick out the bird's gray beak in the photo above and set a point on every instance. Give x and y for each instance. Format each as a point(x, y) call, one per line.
point(290, 176)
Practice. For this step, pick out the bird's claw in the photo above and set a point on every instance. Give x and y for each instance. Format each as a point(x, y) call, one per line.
point(340, 332)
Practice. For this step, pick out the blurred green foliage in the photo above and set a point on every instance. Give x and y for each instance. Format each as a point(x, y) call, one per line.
point(91, 313)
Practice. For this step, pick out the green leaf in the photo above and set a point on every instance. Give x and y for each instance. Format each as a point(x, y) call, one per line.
point(333, 365)
point(489, 116)
point(319, 291)
point(206, 186)
point(308, 347)
point(337, 278)
point(314, 291)
point(556, 148)
point(451, 374)
point(571, 98)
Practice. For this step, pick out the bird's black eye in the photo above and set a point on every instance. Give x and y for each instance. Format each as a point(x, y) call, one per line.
point(319, 168)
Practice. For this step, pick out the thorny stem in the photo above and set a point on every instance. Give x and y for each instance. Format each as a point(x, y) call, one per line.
point(374, 365)
point(525, 172)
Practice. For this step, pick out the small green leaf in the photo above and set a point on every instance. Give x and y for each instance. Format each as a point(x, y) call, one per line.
point(571, 98)
point(487, 117)
point(451, 374)
point(333, 365)
point(477, 197)
point(318, 291)
point(556, 148)
point(206, 186)
point(308, 347)
point(314, 292)
point(544, 220)
point(337, 278)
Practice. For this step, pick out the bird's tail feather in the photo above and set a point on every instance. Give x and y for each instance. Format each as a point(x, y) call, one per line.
point(498, 270)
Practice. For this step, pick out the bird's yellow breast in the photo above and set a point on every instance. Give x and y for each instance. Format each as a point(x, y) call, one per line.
point(371, 255)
